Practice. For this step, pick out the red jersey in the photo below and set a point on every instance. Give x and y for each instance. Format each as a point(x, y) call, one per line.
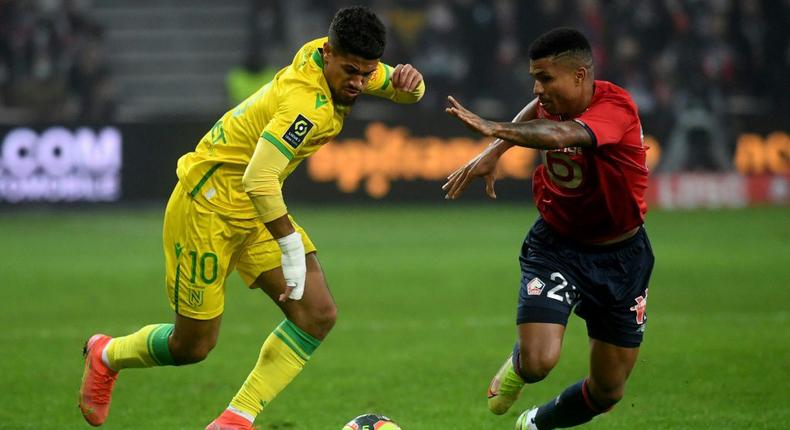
point(596, 193)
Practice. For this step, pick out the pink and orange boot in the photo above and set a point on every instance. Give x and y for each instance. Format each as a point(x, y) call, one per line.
point(97, 382)
point(230, 421)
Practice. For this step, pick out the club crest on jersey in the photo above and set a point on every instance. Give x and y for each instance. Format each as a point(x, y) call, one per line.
point(195, 296)
point(297, 131)
point(640, 308)
point(535, 287)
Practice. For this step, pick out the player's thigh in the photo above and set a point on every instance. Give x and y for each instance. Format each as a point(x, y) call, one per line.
point(610, 366)
point(539, 346)
point(261, 253)
point(200, 248)
point(315, 312)
point(548, 292)
point(546, 298)
point(614, 291)
point(260, 267)
point(615, 313)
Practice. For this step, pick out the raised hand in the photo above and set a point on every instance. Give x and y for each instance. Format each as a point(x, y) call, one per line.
point(483, 165)
point(405, 77)
point(470, 119)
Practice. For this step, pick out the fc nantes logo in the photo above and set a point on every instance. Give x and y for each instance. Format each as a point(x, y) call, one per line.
point(195, 297)
point(297, 131)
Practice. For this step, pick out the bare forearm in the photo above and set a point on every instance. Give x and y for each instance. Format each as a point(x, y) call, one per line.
point(273, 213)
point(499, 147)
point(542, 134)
point(280, 227)
point(528, 113)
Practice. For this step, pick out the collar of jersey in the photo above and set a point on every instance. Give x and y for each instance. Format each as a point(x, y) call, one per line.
point(318, 59)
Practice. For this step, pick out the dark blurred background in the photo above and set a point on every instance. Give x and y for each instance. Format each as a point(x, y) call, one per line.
point(705, 74)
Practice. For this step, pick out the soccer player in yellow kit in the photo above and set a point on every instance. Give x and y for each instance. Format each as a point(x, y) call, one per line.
point(227, 212)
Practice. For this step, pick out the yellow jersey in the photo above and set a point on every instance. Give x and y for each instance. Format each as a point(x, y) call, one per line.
point(266, 136)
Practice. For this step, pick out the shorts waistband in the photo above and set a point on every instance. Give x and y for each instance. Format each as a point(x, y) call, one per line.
point(545, 232)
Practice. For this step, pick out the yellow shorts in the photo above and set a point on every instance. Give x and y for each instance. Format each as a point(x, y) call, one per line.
point(203, 247)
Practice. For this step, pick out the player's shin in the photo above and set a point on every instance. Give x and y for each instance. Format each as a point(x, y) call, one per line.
point(506, 385)
point(572, 407)
point(147, 347)
point(283, 355)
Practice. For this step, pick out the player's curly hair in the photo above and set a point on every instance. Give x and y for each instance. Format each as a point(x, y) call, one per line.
point(561, 41)
point(357, 30)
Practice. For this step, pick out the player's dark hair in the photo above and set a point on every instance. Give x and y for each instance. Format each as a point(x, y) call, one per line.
point(357, 30)
point(561, 41)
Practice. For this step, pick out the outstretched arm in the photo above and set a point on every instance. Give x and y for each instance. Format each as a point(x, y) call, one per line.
point(528, 113)
point(484, 164)
point(538, 133)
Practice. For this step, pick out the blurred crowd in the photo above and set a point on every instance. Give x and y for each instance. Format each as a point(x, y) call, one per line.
point(725, 58)
point(52, 66)
point(699, 70)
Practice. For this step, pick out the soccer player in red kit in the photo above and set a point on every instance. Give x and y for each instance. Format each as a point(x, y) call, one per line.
point(588, 249)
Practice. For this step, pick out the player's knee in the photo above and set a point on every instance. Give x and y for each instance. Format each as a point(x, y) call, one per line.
point(534, 366)
point(324, 319)
point(316, 321)
point(531, 373)
point(606, 396)
point(190, 353)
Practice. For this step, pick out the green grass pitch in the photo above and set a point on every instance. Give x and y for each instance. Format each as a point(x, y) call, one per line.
point(427, 299)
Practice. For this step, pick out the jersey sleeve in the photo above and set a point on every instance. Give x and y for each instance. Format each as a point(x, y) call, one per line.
point(295, 121)
point(380, 85)
point(607, 121)
point(293, 124)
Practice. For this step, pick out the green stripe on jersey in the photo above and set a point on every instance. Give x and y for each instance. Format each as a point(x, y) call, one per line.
point(318, 59)
point(277, 144)
point(386, 78)
point(203, 180)
point(175, 293)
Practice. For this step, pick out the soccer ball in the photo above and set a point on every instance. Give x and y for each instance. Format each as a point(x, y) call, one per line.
point(371, 422)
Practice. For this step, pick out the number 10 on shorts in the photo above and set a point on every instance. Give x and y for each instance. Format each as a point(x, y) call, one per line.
point(205, 266)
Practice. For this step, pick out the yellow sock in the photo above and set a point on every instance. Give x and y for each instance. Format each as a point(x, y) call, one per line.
point(146, 347)
point(283, 355)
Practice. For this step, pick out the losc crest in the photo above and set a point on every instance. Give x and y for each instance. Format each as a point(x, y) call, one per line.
point(58, 164)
